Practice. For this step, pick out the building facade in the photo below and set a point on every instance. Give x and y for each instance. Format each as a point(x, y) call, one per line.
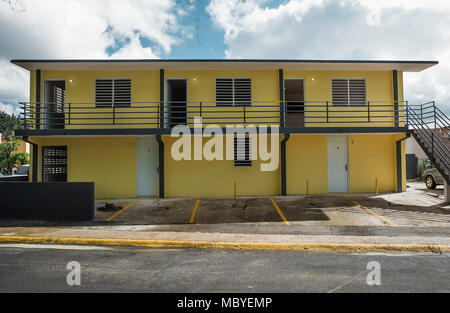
point(340, 125)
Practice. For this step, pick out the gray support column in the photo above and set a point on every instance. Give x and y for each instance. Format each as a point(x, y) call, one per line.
point(38, 99)
point(284, 165)
point(161, 167)
point(396, 106)
point(398, 151)
point(446, 192)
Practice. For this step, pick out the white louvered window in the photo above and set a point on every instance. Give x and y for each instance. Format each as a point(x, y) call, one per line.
point(242, 151)
point(113, 92)
point(233, 91)
point(349, 92)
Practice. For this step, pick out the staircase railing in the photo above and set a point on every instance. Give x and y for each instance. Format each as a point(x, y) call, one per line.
point(427, 122)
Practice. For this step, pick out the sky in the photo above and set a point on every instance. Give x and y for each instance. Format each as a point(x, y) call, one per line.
point(228, 29)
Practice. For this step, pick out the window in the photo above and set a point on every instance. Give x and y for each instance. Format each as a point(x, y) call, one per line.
point(113, 92)
point(349, 92)
point(54, 164)
point(233, 91)
point(242, 154)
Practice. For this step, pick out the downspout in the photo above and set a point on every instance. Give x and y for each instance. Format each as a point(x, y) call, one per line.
point(399, 163)
point(283, 164)
point(396, 104)
point(161, 166)
point(34, 158)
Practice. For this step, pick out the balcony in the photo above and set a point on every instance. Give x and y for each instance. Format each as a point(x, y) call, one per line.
point(160, 117)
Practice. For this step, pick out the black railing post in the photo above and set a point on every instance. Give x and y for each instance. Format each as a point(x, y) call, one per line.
point(70, 111)
point(201, 109)
point(328, 112)
point(407, 114)
point(114, 114)
point(368, 110)
point(421, 116)
point(435, 116)
point(24, 115)
point(245, 114)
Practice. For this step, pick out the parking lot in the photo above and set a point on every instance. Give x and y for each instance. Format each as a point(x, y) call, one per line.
point(415, 208)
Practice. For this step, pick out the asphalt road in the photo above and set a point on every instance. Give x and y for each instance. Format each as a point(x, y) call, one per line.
point(43, 269)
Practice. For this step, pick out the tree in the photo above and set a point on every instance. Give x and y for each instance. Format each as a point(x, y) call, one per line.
point(9, 159)
point(9, 124)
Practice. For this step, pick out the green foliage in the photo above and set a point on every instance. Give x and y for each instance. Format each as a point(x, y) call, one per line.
point(9, 124)
point(9, 159)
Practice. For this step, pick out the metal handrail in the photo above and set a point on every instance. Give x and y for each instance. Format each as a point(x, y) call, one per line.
point(163, 113)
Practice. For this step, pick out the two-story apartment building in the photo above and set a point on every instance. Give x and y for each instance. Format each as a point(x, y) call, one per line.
point(341, 125)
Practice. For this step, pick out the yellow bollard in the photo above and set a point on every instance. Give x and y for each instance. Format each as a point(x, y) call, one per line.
point(157, 191)
point(307, 189)
point(235, 190)
point(376, 187)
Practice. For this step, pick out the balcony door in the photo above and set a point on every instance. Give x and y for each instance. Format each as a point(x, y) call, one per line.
point(294, 95)
point(54, 102)
point(176, 102)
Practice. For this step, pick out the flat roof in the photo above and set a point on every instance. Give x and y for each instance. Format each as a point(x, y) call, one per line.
point(225, 64)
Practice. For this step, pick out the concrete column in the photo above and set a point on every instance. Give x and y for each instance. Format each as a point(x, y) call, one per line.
point(446, 192)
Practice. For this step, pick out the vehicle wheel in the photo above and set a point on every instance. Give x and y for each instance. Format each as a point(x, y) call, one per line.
point(429, 181)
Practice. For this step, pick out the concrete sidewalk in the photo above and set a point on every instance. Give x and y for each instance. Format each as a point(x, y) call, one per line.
point(379, 239)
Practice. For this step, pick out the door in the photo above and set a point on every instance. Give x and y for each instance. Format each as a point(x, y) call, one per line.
point(147, 152)
point(54, 99)
point(177, 102)
point(337, 164)
point(294, 95)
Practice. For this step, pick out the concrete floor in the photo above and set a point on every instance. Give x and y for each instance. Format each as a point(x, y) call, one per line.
point(414, 208)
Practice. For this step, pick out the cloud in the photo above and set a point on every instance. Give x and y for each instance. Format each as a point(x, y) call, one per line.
point(345, 29)
point(83, 29)
point(9, 108)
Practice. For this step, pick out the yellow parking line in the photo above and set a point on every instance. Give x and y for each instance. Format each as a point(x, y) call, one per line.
point(279, 212)
point(435, 205)
point(373, 213)
point(194, 213)
point(120, 212)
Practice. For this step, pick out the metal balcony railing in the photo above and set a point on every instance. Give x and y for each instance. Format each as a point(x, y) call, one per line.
point(166, 115)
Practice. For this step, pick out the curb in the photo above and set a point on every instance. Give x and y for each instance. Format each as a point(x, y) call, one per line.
point(228, 245)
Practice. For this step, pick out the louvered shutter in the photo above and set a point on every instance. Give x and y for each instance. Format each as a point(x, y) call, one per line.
point(104, 92)
point(340, 92)
point(224, 92)
point(122, 92)
point(242, 151)
point(242, 92)
point(357, 92)
point(54, 164)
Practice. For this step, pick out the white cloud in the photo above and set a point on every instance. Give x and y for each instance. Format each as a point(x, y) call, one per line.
point(9, 109)
point(82, 29)
point(344, 29)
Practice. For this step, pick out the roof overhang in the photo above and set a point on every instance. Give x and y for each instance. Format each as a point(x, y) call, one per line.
point(254, 64)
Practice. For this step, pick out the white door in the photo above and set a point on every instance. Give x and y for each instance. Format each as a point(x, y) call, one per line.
point(147, 152)
point(337, 164)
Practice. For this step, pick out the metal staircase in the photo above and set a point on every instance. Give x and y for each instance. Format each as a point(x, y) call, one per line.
point(427, 123)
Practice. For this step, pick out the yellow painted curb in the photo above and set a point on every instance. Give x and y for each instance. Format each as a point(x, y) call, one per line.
point(227, 245)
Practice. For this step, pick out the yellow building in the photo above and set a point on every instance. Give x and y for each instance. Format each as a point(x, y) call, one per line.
point(335, 126)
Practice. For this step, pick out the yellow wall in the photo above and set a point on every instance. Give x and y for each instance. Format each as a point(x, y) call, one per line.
point(265, 87)
point(318, 87)
point(372, 157)
point(307, 159)
point(81, 93)
point(109, 162)
point(216, 178)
